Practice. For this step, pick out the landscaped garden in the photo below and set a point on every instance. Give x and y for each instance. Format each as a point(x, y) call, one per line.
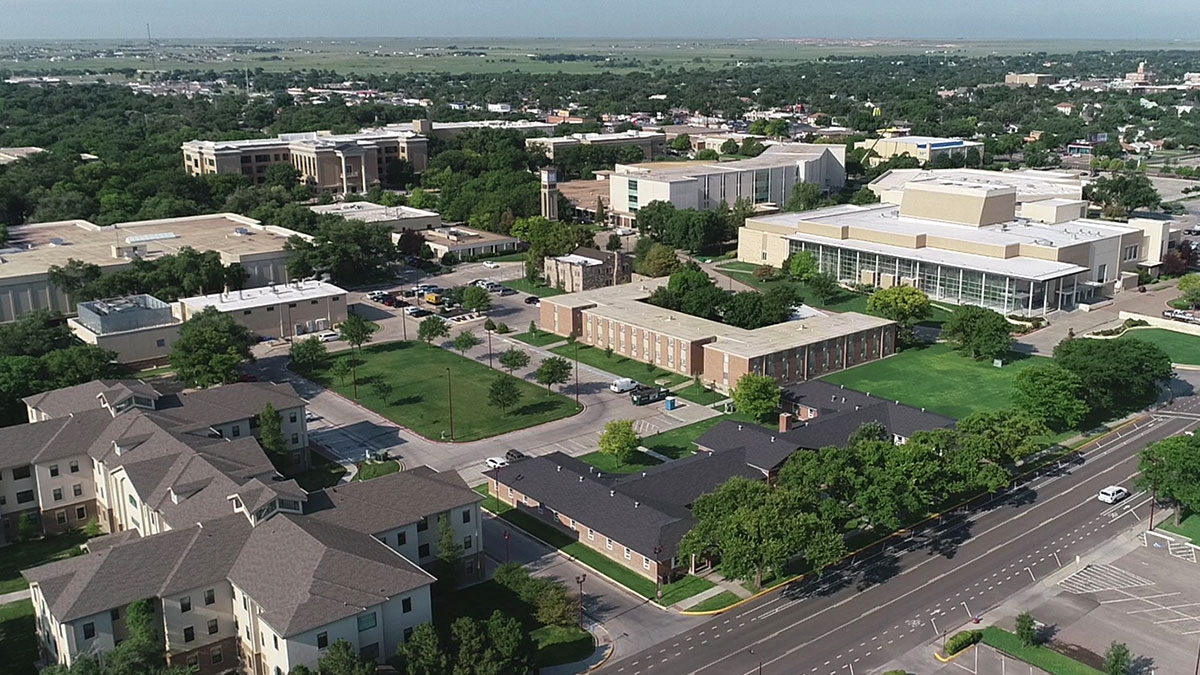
point(369, 470)
point(1181, 347)
point(407, 383)
point(699, 394)
point(680, 442)
point(21, 556)
point(638, 461)
point(621, 366)
point(539, 339)
point(1189, 527)
point(1036, 655)
point(322, 473)
point(18, 638)
point(527, 286)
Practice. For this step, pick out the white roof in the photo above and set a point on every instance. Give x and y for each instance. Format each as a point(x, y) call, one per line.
point(572, 259)
point(1029, 183)
point(263, 296)
point(371, 212)
point(930, 140)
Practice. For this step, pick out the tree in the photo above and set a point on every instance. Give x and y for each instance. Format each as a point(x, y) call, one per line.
point(619, 440)
point(906, 305)
point(357, 331)
point(730, 147)
point(802, 266)
point(469, 637)
point(613, 243)
point(1189, 285)
point(466, 340)
point(282, 175)
point(29, 526)
point(270, 430)
point(1116, 374)
point(449, 549)
point(981, 332)
point(383, 390)
point(863, 196)
point(682, 142)
point(756, 395)
point(210, 348)
point(1123, 193)
point(1118, 660)
point(308, 354)
point(476, 299)
point(556, 606)
point(513, 359)
point(422, 653)
point(660, 261)
point(554, 370)
point(341, 659)
point(504, 392)
point(409, 243)
point(340, 369)
point(823, 285)
point(432, 328)
point(1051, 393)
point(1171, 468)
point(804, 197)
point(708, 155)
point(1026, 629)
point(511, 648)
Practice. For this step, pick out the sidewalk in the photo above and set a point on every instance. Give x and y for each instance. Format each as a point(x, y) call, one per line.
point(15, 596)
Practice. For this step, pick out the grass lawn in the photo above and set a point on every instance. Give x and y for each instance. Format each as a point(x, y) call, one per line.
point(555, 644)
point(510, 257)
point(18, 638)
point(609, 464)
point(525, 286)
point(699, 395)
point(17, 557)
point(418, 400)
point(369, 470)
point(155, 372)
point(719, 601)
point(542, 338)
point(680, 441)
point(672, 593)
point(1190, 527)
point(620, 365)
point(323, 473)
point(1181, 347)
point(938, 378)
point(1047, 659)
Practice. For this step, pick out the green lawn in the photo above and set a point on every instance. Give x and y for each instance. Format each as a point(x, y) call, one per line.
point(555, 644)
point(700, 395)
point(542, 338)
point(938, 378)
point(719, 601)
point(322, 474)
point(17, 557)
point(1042, 657)
point(510, 257)
point(155, 372)
point(525, 286)
point(1190, 527)
point(18, 638)
point(369, 470)
point(620, 366)
point(419, 397)
point(570, 545)
point(1181, 347)
point(609, 464)
point(680, 441)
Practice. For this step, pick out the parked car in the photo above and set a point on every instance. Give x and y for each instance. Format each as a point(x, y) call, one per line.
point(505, 290)
point(491, 264)
point(310, 416)
point(1181, 315)
point(1112, 494)
point(496, 462)
point(514, 455)
point(622, 385)
point(648, 395)
point(625, 231)
point(417, 312)
point(328, 336)
point(533, 300)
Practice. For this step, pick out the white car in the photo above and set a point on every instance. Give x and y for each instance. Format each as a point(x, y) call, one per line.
point(310, 416)
point(622, 385)
point(1112, 494)
point(328, 336)
point(496, 462)
point(491, 264)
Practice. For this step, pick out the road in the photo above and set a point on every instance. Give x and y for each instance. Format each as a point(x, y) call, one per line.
point(857, 618)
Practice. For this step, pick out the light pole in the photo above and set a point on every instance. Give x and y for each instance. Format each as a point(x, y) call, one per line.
point(489, 334)
point(576, 373)
point(1153, 498)
point(579, 579)
point(751, 651)
point(506, 546)
point(657, 573)
point(404, 322)
point(450, 400)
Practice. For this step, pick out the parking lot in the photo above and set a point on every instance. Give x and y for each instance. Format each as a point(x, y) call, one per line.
point(983, 660)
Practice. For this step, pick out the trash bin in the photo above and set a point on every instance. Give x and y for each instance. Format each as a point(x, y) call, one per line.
point(671, 402)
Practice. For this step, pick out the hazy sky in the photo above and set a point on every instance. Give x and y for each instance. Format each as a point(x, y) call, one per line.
point(1129, 19)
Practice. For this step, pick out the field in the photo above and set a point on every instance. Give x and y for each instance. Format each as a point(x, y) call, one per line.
point(938, 378)
point(419, 392)
point(1181, 347)
point(525, 286)
point(17, 557)
point(542, 338)
point(620, 366)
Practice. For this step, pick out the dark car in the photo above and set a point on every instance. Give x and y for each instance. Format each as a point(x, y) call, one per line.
point(533, 300)
point(514, 455)
point(420, 313)
point(507, 291)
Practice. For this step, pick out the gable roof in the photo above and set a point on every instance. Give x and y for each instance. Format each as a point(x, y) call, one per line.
point(391, 501)
point(901, 419)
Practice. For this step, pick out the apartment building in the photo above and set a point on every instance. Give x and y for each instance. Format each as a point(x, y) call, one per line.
point(620, 319)
point(653, 144)
point(283, 311)
point(962, 241)
point(923, 148)
point(244, 571)
point(768, 178)
point(586, 268)
point(32, 249)
point(139, 329)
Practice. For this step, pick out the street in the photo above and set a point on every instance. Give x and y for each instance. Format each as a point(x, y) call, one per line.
point(861, 615)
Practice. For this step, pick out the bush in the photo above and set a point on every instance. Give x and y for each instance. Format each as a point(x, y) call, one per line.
point(502, 328)
point(963, 639)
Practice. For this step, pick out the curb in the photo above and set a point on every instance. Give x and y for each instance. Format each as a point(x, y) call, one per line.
point(947, 659)
point(611, 650)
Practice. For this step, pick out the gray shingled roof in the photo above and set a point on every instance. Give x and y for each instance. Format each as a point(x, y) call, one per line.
point(902, 420)
point(390, 501)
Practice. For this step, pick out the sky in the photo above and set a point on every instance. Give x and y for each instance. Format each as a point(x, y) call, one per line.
point(979, 19)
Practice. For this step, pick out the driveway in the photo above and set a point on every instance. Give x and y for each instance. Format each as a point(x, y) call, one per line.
point(1062, 323)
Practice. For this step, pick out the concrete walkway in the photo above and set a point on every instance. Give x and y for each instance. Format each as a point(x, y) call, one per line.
point(15, 596)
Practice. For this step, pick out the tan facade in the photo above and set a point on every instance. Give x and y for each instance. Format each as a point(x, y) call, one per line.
point(280, 312)
point(582, 272)
point(790, 366)
point(138, 347)
point(924, 149)
point(1030, 79)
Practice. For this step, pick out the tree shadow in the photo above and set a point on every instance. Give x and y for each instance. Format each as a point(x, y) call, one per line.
point(945, 538)
point(537, 407)
point(881, 568)
point(1046, 634)
point(1142, 665)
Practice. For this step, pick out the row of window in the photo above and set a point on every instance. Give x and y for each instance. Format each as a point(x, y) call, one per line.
point(185, 603)
point(23, 497)
point(189, 633)
point(80, 514)
point(73, 466)
point(76, 489)
point(291, 305)
point(608, 543)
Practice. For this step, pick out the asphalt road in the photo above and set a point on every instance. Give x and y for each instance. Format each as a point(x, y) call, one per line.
point(858, 617)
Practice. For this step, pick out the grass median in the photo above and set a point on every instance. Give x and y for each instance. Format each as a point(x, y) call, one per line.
point(539, 339)
point(1042, 657)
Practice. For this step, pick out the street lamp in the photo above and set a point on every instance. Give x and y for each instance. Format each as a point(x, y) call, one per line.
point(751, 651)
point(450, 400)
point(489, 334)
point(576, 373)
point(579, 579)
point(506, 533)
point(657, 572)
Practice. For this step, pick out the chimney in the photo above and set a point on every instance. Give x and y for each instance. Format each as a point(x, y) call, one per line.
point(785, 422)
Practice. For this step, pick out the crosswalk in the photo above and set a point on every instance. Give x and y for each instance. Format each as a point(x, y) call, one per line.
point(1097, 578)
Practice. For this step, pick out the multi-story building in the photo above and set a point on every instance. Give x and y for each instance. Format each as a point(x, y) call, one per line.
point(1030, 79)
point(283, 311)
point(1031, 185)
point(653, 144)
point(962, 241)
point(620, 319)
point(587, 268)
point(448, 130)
point(139, 329)
point(397, 218)
point(923, 148)
point(244, 571)
point(31, 250)
point(768, 178)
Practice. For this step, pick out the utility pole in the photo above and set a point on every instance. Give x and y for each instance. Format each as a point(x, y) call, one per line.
point(576, 373)
point(150, 45)
point(489, 334)
point(1153, 498)
point(450, 400)
point(579, 579)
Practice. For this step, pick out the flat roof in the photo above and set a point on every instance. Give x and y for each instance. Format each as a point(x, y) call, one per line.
point(780, 154)
point(927, 140)
point(572, 259)
point(32, 249)
point(1029, 183)
point(494, 124)
point(371, 212)
point(584, 193)
point(264, 295)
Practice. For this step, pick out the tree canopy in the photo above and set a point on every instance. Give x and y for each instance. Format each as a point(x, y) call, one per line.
point(210, 349)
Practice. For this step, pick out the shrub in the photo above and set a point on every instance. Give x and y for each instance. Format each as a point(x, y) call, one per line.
point(896, 672)
point(502, 328)
point(1026, 629)
point(963, 639)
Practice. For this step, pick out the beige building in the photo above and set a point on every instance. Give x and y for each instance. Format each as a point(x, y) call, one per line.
point(963, 241)
point(768, 178)
point(448, 130)
point(1031, 185)
point(587, 268)
point(466, 242)
point(283, 311)
point(33, 249)
point(398, 218)
point(653, 144)
point(1030, 79)
point(140, 329)
point(923, 148)
point(619, 318)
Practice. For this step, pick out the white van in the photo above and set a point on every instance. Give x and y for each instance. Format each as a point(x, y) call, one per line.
point(622, 385)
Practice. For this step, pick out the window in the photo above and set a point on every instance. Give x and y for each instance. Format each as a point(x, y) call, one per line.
point(185, 604)
point(295, 438)
point(423, 551)
point(21, 473)
point(401, 538)
point(53, 470)
point(1131, 252)
point(25, 496)
point(572, 524)
point(312, 302)
point(61, 517)
point(247, 312)
point(408, 633)
point(467, 543)
point(193, 661)
point(591, 534)
point(210, 596)
point(627, 556)
point(73, 466)
point(645, 563)
point(189, 634)
point(366, 621)
point(270, 309)
point(212, 626)
point(77, 489)
point(160, 343)
point(132, 501)
point(216, 656)
point(114, 614)
point(3, 501)
point(80, 513)
point(245, 602)
point(57, 492)
point(322, 640)
point(608, 543)
point(292, 418)
point(89, 631)
point(275, 642)
point(466, 516)
point(422, 524)
point(291, 305)
point(237, 431)
point(370, 652)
